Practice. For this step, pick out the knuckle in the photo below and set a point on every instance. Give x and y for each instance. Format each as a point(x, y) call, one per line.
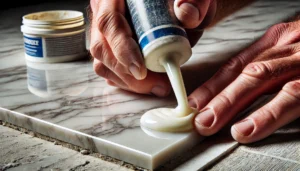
point(234, 64)
point(209, 92)
point(108, 22)
point(293, 49)
point(293, 89)
point(101, 70)
point(280, 51)
point(96, 49)
point(258, 70)
point(201, 96)
point(125, 48)
point(295, 34)
point(294, 85)
point(225, 100)
point(275, 31)
point(268, 115)
point(116, 67)
point(118, 43)
point(271, 53)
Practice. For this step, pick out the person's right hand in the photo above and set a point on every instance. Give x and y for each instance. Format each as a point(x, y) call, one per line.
point(117, 56)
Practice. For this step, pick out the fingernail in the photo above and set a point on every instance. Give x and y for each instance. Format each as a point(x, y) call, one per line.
point(159, 91)
point(192, 103)
point(135, 71)
point(205, 118)
point(245, 127)
point(189, 9)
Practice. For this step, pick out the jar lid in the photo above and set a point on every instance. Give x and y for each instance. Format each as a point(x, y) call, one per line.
point(55, 17)
point(47, 31)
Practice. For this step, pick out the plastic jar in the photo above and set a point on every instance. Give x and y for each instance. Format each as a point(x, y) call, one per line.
point(54, 36)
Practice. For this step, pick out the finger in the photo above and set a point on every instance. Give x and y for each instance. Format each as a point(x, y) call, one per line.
point(278, 52)
point(195, 34)
point(154, 83)
point(283, 109)
point(202, 95)
point(111, 83)
point(106, 73)
point(116, 30)
point(101, 51)
point(255, 79)
point(191, 12)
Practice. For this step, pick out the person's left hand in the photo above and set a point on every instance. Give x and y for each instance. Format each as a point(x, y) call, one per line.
point(272, 63)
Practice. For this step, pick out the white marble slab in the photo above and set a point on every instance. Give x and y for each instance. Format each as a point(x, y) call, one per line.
point(69, 102)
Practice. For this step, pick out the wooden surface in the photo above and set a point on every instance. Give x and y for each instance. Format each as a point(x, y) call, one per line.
point(21, 151)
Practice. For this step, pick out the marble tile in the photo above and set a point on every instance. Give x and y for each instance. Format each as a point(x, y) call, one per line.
point(68, 101)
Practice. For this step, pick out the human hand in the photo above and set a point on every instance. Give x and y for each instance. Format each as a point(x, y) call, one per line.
point(272, 63)
point(117, 56)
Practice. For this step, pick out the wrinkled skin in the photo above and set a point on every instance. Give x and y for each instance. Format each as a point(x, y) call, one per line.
point(270, 64)
point(117, 56)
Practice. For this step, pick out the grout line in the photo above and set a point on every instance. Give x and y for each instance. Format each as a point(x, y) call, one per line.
point(268, 155)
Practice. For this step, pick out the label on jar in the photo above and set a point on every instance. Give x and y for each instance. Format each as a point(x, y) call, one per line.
point(65, 45)
point(51, 47)
point(33, 46)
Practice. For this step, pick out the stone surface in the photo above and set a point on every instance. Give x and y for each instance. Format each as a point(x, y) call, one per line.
point(19, 151)
point(23, 151)
point(69, 102)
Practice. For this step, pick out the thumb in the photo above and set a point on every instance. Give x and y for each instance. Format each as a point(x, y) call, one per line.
point(191, 13)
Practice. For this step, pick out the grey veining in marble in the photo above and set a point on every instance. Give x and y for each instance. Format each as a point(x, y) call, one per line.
point(68, 101)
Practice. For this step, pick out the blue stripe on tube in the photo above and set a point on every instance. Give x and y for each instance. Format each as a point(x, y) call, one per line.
point(161, 33)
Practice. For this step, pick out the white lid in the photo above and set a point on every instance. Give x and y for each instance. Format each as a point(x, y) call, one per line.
point(52, 17)
point(56, 27)
point(67, 23)
point(47, 31)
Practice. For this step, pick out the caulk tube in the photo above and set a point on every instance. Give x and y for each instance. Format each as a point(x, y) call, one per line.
point(159, 33)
